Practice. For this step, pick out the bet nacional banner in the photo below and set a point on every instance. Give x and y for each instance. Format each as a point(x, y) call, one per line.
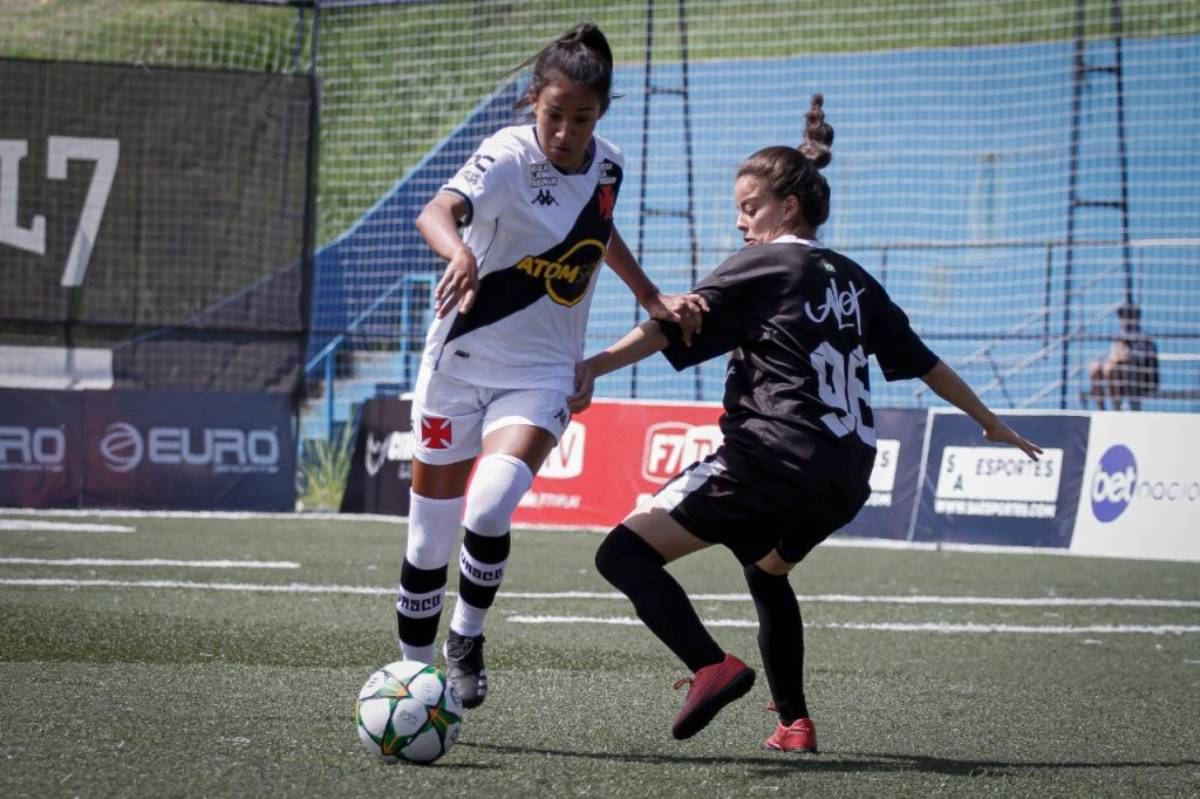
point(976, 492)
point(1141, 487)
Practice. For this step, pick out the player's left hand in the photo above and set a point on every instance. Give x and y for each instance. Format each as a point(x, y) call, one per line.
point(585, 384)
point(686, 310)
point(1000, 433)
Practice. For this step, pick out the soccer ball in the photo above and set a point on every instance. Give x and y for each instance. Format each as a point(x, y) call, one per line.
point(407, 711)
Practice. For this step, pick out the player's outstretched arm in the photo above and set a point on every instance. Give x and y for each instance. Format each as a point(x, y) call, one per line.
point(641, 342)
point(946, 383)
point(686, 310)
point(438, 224)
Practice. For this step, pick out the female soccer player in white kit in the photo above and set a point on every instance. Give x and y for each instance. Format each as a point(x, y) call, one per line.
point(536, 204)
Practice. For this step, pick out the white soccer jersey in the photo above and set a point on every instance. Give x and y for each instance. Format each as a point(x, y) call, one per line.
point(539, 236)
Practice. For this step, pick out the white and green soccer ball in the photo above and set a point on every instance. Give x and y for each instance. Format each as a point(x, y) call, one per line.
point(407, 711)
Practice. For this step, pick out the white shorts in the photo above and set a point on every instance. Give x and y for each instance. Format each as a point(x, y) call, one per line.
point(450, 417)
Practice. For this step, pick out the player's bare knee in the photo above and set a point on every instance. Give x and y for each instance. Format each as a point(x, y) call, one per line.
point(772, 563)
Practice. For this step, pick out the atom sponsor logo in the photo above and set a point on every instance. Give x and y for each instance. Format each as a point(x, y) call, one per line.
point(672, 446)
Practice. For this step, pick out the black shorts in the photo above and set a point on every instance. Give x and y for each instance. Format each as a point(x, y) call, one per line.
point(752, 514)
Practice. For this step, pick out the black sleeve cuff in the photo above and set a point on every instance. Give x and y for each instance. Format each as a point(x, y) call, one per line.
point(470, 205)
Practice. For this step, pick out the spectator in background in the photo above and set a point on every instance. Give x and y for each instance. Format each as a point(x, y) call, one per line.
point(1130, 370)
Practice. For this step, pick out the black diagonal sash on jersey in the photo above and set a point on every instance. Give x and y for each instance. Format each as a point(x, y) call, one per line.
point(563, 272)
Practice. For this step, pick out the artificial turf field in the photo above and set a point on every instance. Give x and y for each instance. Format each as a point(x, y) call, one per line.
point(227, 662)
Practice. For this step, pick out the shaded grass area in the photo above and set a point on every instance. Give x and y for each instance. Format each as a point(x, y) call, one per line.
point(141, 690)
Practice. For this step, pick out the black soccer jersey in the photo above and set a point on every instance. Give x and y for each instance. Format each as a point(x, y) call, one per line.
point(800, 321)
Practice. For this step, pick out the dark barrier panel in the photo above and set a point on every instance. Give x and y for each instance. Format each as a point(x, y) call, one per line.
point(41, 433)
point(189, 450)
point(159, 213)
point(981, 493)
point(381, 472)
point(888, 514)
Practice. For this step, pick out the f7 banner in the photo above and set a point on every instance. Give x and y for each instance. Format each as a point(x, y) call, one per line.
point(615, 454)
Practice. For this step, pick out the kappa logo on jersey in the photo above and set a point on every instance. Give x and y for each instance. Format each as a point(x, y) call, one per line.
point(567, 278)
point(436, 432)
point(544, 198)
point(607, 199)
point(672, 446)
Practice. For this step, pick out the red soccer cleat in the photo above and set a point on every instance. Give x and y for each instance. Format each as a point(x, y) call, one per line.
point(712, 688)
point(801, 736)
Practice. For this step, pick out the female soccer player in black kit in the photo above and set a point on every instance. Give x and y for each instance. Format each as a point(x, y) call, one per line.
point(800, 320)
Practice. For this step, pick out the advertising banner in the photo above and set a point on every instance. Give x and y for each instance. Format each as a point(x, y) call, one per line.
point(896, 476)
point(1141, 487)
point(381, 472)
point(159, 214)
point(189, 450)
point(41, 433)
point(982, 493)
point(613, 454)
point(616, 453)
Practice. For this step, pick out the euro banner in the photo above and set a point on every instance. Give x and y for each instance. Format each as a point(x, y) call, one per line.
point(976, 492)
point(147, 449)
point(155, 221)
point(41, 438)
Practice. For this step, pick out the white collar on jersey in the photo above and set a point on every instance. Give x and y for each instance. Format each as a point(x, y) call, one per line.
point(788, 238)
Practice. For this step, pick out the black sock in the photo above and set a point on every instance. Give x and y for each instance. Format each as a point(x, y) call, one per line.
point(780, 640)
point(481, 565)
point(636, 569)
point(419, 604)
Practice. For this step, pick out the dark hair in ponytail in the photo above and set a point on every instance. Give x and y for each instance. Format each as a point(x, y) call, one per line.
point(581, 55)
point(795, 171)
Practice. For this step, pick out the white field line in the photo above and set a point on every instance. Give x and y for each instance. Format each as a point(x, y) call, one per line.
point(234, 515)
point(197, 564)
point(923, 627)
point(309, 588)
point(62, 527)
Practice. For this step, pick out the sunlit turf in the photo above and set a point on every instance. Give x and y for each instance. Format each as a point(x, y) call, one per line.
point(162, 686)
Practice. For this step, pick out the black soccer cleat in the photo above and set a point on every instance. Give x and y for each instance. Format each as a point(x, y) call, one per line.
point(465, 669)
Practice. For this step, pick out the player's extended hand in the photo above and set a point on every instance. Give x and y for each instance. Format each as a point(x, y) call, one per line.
point(686, 310)
point(1000, 433)
point(459, 283)
point(585, 384)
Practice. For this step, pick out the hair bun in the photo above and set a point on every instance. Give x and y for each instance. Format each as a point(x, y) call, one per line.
point(818, 134)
